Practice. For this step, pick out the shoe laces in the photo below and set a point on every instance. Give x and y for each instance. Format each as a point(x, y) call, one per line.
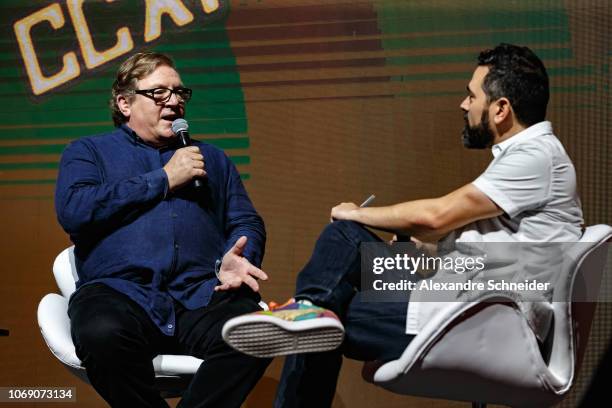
point(272, 305)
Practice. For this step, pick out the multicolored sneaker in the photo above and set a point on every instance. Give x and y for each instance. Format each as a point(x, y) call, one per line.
point(294, 327)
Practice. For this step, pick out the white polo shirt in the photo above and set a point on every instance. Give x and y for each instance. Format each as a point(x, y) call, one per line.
point(532, 179)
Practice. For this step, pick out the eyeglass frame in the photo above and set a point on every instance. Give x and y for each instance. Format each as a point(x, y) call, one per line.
point(150, 93)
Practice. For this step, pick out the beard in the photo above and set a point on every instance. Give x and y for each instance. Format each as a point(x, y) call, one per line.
point(479, 136)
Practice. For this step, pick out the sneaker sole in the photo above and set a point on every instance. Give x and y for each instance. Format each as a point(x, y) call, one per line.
point(266, 336)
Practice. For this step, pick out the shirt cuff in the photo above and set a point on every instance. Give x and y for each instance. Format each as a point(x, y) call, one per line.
point(218, 268)
point(157, 184)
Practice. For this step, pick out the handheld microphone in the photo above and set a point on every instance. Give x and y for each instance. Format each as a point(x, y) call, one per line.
point(181, 130)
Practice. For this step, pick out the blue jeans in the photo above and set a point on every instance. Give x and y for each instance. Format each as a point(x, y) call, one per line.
point(373, 330)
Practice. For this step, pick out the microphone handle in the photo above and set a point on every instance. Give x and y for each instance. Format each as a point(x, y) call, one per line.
point(186, 141)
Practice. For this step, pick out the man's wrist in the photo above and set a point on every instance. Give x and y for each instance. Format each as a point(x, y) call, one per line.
point(355, 215)
point(170, 184)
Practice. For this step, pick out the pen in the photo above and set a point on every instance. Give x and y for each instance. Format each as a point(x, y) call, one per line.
point(368, 200)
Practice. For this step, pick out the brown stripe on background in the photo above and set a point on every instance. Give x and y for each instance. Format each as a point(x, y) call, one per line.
point(374, 73)
point(300, 14)
point(28, 175)
point(309, 47)
point(347, 55)
point(398, 36)
point(324, 98)
point(276, 66)
point(327, 81)
point(442, 71)
point(26, 190)
point(30, 158)
point(40, 142)
point(303, 22)
point(320, 46)
point(52, 125)
point(345, 27)
point(335, 92)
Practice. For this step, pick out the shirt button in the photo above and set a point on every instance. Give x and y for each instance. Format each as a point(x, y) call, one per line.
point(170, 326)
point(174, 215)
point(176, 246)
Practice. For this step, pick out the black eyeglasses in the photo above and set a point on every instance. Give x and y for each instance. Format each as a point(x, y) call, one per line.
point(163, 95)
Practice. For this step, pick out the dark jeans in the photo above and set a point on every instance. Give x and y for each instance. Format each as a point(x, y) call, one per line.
point(116, 341)
point(373, 330)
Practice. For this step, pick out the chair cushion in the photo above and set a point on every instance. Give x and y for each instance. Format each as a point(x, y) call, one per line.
point(55, 328)
point(64, 270)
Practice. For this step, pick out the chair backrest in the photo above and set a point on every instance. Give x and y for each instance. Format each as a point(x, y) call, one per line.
point(64, 270)
point(577, 295)
point(507, 368)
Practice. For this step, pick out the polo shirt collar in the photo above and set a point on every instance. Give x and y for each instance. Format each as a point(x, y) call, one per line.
point(539, 129)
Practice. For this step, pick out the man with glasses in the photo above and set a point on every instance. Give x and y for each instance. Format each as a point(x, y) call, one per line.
point(162, 264)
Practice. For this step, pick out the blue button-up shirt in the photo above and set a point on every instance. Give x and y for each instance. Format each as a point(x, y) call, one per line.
point(133, 235)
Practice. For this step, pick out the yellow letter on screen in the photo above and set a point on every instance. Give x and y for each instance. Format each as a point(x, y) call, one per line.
point(210, 6)
point(40, 83)
point(156, 8)
point(93, 57)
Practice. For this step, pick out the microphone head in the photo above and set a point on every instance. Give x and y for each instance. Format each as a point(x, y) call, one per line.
point(179, 125)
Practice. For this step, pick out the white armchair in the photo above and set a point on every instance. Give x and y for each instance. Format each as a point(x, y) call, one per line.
point(488, 354)
point(173, 372)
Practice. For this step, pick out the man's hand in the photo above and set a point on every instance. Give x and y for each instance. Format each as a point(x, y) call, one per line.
point(236, 269)
point(186, 164)
point(344, 211)
point(429, 248)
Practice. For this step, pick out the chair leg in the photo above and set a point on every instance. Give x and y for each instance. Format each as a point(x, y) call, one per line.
point(479, 405)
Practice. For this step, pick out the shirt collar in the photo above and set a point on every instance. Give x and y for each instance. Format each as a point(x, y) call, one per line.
point(135, 139)
point(131, 134)
point(539, 129)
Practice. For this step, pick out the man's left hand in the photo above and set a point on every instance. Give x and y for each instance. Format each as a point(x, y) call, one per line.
point(236, 269)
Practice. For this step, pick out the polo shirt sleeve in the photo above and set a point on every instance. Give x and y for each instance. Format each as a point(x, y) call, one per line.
point(520, 180)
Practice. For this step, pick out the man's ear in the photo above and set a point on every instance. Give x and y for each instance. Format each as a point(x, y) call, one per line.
point(124, 105)
point(501, 110)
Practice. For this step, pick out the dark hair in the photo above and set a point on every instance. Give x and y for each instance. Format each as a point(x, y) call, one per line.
point(519, 75)
point(131, 70)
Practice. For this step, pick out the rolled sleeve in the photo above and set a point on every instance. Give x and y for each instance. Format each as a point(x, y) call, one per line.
point(157, 183)
point(518, 181)
point(243, 220)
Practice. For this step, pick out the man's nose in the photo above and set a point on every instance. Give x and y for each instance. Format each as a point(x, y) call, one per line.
point(174, 99)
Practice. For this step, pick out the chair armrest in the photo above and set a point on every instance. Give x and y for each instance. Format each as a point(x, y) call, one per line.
point(54, 325)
